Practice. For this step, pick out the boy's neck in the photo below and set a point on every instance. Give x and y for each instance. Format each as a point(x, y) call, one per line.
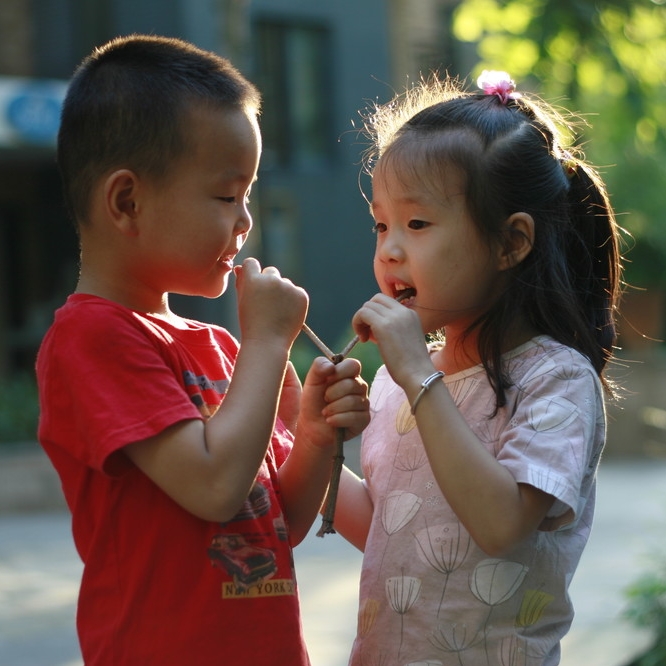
point(110, 291)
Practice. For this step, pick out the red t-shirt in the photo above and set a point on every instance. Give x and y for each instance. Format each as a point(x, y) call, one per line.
point(160, 586)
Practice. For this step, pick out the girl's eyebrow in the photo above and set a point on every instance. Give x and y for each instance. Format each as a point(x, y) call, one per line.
point(404, 200)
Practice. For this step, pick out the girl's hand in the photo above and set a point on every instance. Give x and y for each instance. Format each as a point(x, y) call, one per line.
point(334, 396)
point(270, 308)
point(397, 331)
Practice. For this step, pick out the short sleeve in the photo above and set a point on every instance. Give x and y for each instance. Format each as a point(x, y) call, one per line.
point(105, 382)
point(556, 432)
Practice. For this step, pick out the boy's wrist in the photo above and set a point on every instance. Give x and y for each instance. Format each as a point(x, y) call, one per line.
point(266, 346)
point(314, 434)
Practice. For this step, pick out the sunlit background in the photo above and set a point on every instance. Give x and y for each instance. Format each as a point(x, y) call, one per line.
point(318, 65)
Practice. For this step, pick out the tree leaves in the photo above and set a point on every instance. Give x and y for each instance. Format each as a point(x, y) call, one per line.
point(606, 61)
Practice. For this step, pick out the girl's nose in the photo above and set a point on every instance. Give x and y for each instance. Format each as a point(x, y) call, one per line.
point(389, 248)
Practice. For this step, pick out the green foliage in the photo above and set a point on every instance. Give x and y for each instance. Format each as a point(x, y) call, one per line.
point(302, 354)
point(607, 62)
point(368, 354)
point(647, 608)
point(19, 409)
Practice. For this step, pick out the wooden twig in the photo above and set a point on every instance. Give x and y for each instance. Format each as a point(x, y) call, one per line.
point(332, 497)
point(350, 345)
point(318, 342)
point(339, 457)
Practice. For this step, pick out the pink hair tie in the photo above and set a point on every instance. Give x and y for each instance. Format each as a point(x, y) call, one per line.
point(497, 83)
point(569, 164)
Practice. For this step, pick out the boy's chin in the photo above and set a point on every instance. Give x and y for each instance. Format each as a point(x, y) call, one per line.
point(210, 292)
point(216, 293)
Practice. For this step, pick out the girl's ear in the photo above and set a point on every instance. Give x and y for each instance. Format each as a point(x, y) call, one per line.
point(120, 196)
point(518, 240)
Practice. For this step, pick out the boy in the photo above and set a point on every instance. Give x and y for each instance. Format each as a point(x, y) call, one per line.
point(185, 505)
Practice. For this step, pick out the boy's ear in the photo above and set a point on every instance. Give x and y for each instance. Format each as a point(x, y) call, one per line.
point(518, 240)
point(120, 196)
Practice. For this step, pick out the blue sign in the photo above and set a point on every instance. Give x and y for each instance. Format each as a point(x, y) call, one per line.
point(33, 112)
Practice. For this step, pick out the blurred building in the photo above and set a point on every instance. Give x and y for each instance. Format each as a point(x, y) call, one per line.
point(317, 63)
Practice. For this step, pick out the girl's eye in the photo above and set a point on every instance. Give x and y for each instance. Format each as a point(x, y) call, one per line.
point(378, 228)
point(417, 224)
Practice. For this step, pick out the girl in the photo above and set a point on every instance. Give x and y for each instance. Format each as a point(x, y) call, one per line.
point(480, 458)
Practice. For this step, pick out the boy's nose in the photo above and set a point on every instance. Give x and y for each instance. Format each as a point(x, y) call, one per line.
point(244, 221)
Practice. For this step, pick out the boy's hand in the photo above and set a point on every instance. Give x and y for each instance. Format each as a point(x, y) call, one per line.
point(334, 396)
point(270, 308)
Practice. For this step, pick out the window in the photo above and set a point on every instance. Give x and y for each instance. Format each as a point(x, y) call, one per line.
point(293, 76)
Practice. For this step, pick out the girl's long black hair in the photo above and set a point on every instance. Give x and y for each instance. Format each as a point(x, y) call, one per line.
point(568, 286)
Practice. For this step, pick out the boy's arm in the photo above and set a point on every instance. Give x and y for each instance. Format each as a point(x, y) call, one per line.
point(209, 467)
point(290, 398)
point(334, 396)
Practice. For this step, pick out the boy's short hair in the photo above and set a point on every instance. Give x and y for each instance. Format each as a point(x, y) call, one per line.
point(125, 108)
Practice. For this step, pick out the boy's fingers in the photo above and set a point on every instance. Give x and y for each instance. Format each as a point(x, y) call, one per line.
point(323, 367)
point(350, 367)
point(250, 265)
point(348, 389)
point(240, 269)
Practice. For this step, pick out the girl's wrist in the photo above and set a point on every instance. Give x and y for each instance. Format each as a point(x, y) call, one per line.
point(425, 387)
point(414, 375)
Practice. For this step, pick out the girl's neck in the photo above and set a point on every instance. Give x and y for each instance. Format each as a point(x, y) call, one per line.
point(461, 349)
point(456, 355)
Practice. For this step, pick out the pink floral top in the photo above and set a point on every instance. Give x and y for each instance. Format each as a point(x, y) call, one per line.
point(429, 594)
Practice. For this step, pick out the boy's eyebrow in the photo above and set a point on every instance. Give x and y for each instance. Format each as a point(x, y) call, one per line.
point(237, 176)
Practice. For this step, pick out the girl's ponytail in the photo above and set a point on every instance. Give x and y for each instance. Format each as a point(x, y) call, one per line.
point(509, 146)
point(593, 259)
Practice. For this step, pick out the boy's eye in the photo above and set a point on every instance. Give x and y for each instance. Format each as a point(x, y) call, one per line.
point(234, 200)
point(378, 228)
point(417, 224)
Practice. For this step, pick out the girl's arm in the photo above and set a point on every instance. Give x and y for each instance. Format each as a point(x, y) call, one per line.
point(353, 510)
point(497, 511)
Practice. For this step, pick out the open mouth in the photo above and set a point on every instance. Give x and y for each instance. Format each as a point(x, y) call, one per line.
point(403, 293)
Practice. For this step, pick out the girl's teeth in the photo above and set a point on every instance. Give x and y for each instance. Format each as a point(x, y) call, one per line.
point(408, 292)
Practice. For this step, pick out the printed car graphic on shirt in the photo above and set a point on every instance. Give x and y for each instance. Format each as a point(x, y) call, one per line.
point(257, 504)
point(246, 564)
